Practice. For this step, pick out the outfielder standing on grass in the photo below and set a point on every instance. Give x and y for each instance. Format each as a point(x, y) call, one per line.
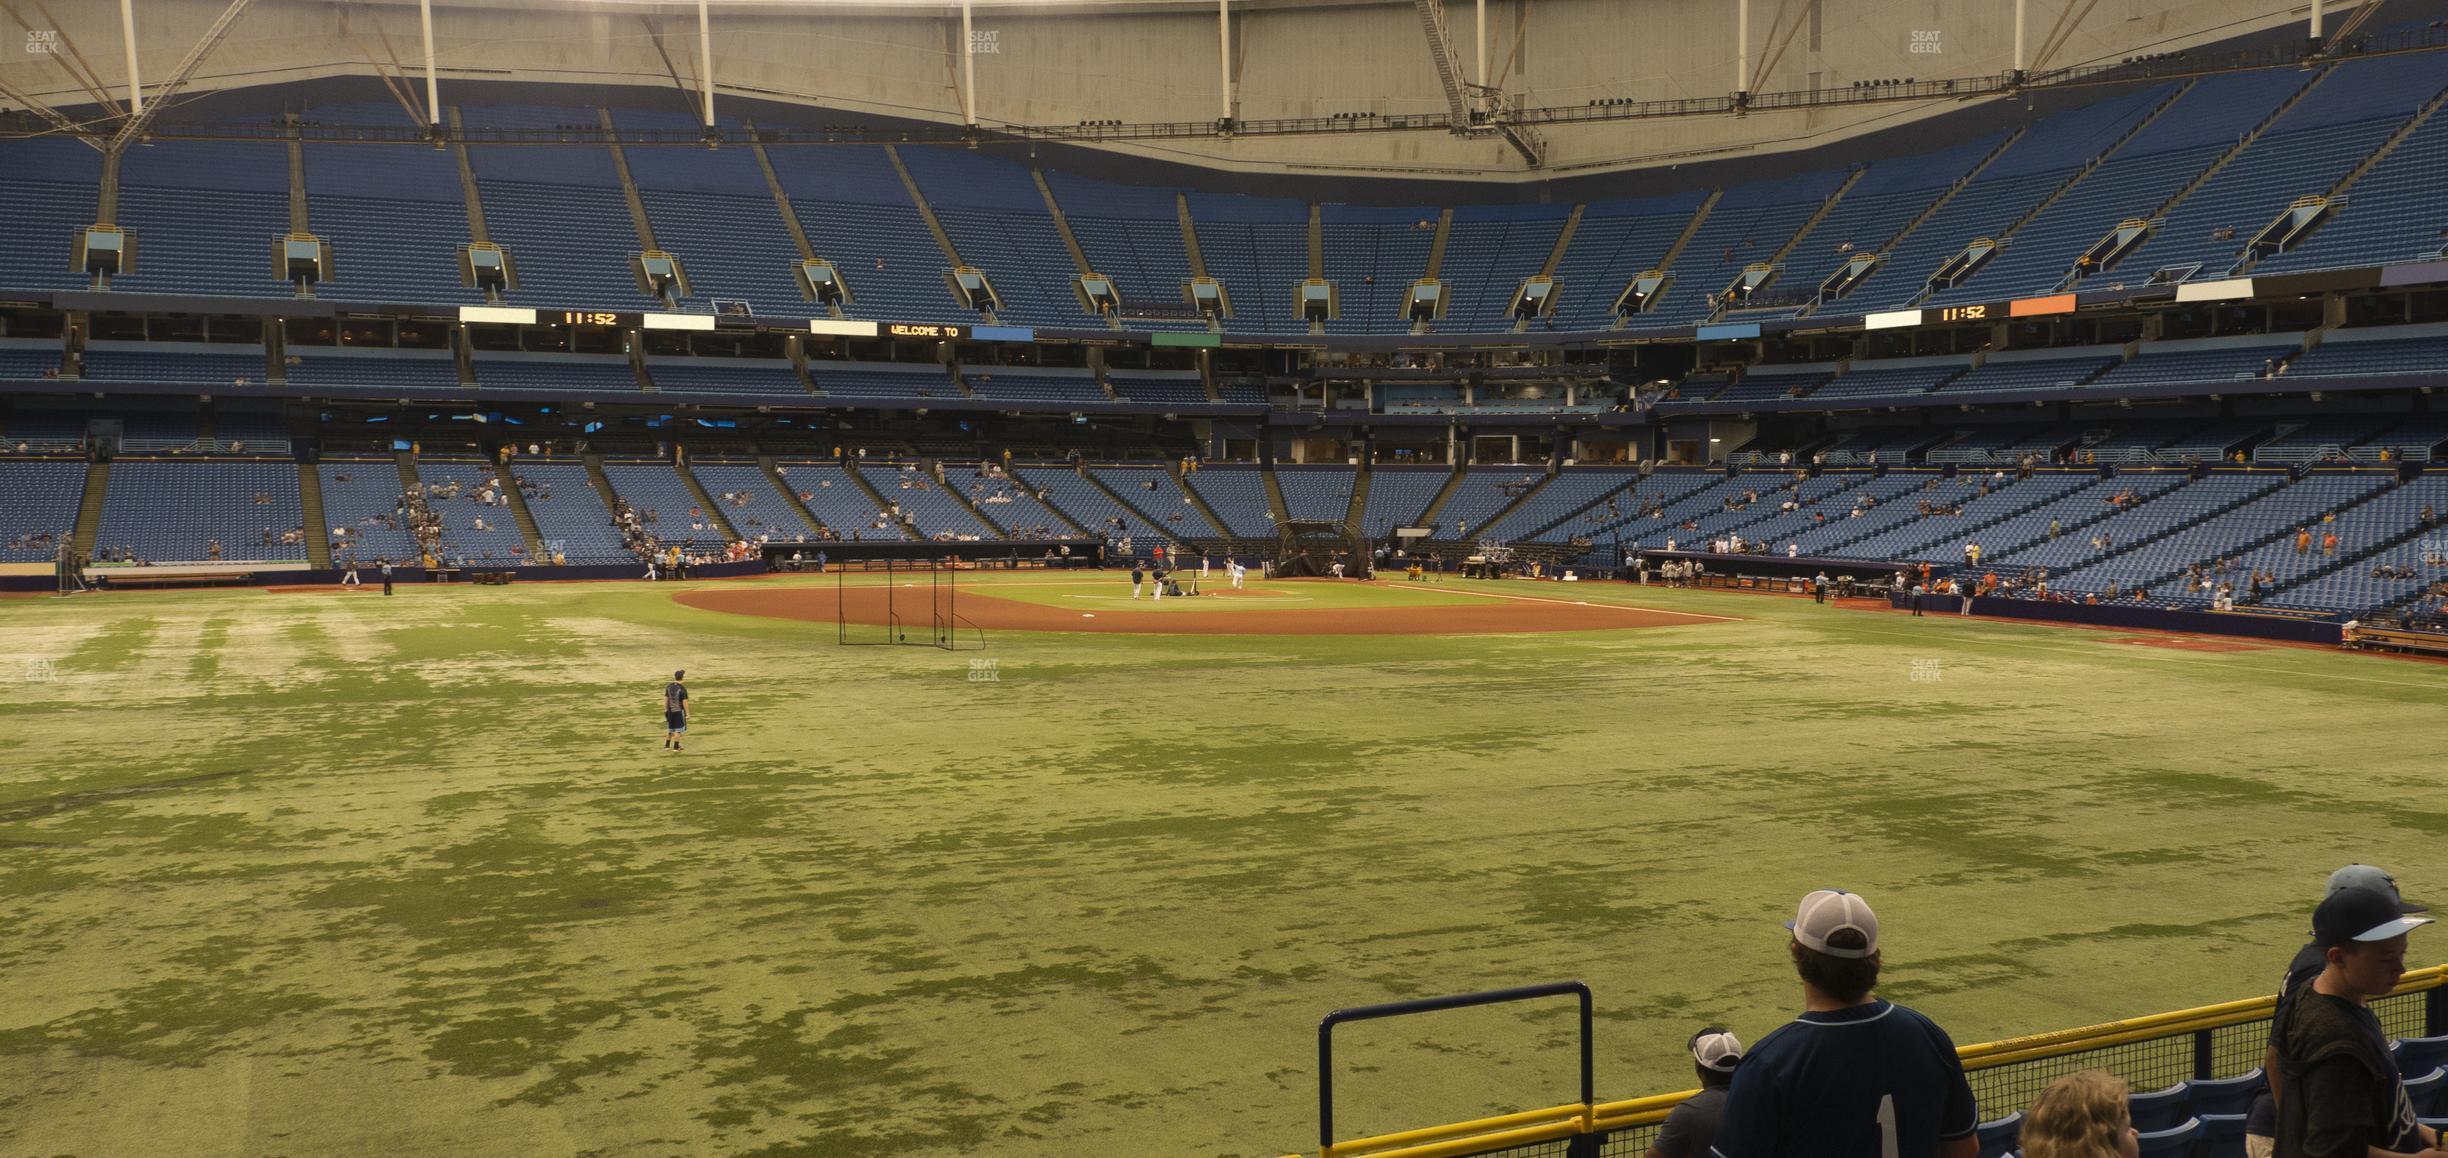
point(675, 710)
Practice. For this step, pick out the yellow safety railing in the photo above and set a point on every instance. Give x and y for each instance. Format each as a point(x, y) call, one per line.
point(1486, 1135)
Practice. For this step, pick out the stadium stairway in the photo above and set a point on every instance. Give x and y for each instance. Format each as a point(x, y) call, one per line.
point(705, 502)
point(1274, 488)
point(867, 486)
point(2338, 193)
point(1428, 514)
point(603, 485)
point(926, 213)
point(935, 468)
point(1354, 515)
point(528, 528)
point(318, 528)
point(89, 511)
point(765, 463)
point(1136, 512)
point(1497, 519)
point(1198, 502)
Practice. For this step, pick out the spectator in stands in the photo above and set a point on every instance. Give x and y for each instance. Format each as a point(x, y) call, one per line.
point(2337, 1087)
point(1692, 1128)
point(2303, 540)
point(2329, 542)
point(2081, 1115)
point(2261, 1124)
point(1853, 1076)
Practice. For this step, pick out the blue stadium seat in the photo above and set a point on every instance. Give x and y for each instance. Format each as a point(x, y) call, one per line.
point(2420, 1055)
point(2222, 1096)
point(2222, 1136)
point(1998, 1138)
point(2177, 1141)
point(2428, 1091)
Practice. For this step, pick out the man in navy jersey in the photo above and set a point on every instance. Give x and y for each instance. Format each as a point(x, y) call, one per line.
point(1853, 1076)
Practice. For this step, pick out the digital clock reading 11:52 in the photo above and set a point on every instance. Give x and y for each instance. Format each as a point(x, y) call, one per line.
point(589, 318)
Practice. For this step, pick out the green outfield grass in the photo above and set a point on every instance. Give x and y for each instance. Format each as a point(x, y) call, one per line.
point(310, 874)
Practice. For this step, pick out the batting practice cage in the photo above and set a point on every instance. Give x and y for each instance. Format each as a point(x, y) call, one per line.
point(911, 602)
point(1313, 549)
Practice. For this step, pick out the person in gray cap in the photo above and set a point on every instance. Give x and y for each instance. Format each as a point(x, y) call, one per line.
point(2261, 1119)
point(1692, 1127)
point(1853, 1076)
point(2339, 1093)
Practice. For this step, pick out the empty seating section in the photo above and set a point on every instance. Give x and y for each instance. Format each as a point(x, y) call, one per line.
point(725, 376)
point(2417, 439)
point(1544, 518)
point(222, 366)
point(1482, 494)
point(1320, 494)
point(41, 510)
point(836, 500)
point(152, 431)
point(396, 219)
point(658, 494)
point(2213, 443)
point(1873, 379)
point(1158, 495)
point(1615, 242)
point(1373, 254)
point(1769, 384)
point(998, 221)
point(1032, 384)
point(2213, 361)
point(2387, 533)
point(2377, 352)
point(1489, 249)
point(1241, 391)
point(589, 373)
point(362, 497)
point(2307, 150)
point(2390, 213)
point(2347, 113)
point(858, 215)
point(49, 185)
point(923, 502)
point(1259, 248)
point(571, 516)
point(2074, 510)
point(1878, 206)
point(46, 432)
point(560, 212)
point(1397, 496)
point(2003, 446)
point(2036, 371)
point(1748, 224)
point(878, 380)
point(1158, 387)
point(749, 500)
point(1090, 507)
point(2048, 154)
point(1902, 531)
point(1876, 446)
point(713, 211)
point(172, 512)
point(1237, 494)
point(1131, 234)
point(384, 370)
point(2123, 529)
point(2321, 438)
point(2385, 516)
point(29, 361)
point(1012, 506)
point(2205, 539)
point(453, 490)
point(205, 216)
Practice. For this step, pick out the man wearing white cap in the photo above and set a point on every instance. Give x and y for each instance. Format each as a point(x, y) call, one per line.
point(1853, 1076)
point(1692, 1128)
point(2261, 1123)
point(2339, 1093)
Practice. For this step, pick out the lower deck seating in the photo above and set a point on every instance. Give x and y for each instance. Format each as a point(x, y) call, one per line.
point(664, 502)
point(571, 516)
point(361, 511)
point(750, 502)
point(473, 530)
point(1237, 494)
point(921, 500)
point(1091, 507)
point(197, 511)
point(834, 497)
point(40, 510)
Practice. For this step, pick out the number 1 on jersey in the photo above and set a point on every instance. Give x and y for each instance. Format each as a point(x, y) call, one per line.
point(1887, 1128)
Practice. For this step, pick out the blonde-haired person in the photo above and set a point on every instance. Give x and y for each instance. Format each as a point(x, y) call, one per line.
point(2081, 1115)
